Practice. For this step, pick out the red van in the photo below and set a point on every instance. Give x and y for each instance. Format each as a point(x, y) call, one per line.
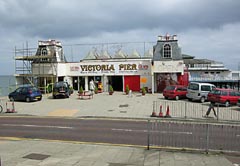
point(224, 96)
point(175, 92)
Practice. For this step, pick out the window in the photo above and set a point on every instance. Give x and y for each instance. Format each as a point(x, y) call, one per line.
point(237, 93)
point(232, 94)
point(205, 88)
point(167, 53)
point(224, 93)
point(44, 52)
point(194, 87)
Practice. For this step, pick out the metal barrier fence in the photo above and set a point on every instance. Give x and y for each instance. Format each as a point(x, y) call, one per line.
point(186, 109)
point(185, 135)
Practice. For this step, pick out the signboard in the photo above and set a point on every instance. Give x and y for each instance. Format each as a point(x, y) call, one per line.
point(109, 68)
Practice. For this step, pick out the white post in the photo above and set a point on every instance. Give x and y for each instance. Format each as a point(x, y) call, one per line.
point(153, 83)
point(123, 84)
point(78, 83)
point(45, 84)
point(86, 83)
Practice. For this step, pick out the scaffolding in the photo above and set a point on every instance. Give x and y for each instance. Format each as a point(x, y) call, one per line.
point(38, 66)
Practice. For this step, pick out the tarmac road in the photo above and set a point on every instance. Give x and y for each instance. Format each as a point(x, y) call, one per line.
point(175, 134)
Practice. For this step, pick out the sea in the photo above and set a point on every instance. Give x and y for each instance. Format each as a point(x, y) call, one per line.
point(7, 84)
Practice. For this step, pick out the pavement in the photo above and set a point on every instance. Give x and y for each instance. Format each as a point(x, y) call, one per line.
point(36, 152)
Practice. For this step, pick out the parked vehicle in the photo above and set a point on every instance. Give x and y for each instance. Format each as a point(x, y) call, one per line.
point(25, 93)
point(225, 97)
point(175, 92)
point(62, 89)
point(199, 91)
point(238, 103)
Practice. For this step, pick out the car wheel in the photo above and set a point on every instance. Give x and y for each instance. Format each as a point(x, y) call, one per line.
point(54, 97)
point(27, 99)
point(177, 97)
point(166, 97)
point(11, 99)
point(227, 104)
point(189, 99)
point(202, 100)
point(67, 95)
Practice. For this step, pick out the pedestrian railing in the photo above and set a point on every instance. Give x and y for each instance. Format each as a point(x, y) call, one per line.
point(192, 135)
point(185, 109)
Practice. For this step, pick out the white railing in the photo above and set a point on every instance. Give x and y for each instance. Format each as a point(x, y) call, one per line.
point(213, 79)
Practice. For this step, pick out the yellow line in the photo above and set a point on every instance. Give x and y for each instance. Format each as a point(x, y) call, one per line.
point(73, 142)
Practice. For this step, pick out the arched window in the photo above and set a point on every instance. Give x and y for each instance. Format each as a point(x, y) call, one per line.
point(167, 51)
point(44, 52)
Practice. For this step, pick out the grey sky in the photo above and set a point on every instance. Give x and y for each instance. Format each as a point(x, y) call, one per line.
point(205, 29)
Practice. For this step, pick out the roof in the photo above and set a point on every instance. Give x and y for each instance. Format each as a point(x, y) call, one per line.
point(198, 61)
point(120, 54)
point(134, 54)
point(185, 56)
point(91, 55)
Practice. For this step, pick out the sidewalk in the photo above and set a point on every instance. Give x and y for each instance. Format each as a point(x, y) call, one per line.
point(45, 153)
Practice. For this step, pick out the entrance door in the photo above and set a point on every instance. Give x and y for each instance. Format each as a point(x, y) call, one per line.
point(116, 82)
point(133, 82)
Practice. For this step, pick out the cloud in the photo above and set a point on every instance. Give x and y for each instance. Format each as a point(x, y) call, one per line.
point(220, 44)
point(205, 28)
point(69, 19)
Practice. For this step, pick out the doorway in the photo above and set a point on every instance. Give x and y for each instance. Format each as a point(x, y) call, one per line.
point(116, 82)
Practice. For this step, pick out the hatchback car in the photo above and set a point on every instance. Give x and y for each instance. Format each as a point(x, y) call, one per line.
point(175, 92)
point(62, 89)
point(225, 97)
point(26, 93)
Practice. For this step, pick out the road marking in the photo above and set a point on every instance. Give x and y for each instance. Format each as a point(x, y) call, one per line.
point(145, 131)
point(39, 126)
point(62, 112)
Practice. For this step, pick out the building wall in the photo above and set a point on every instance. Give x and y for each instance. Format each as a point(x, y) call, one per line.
point(158, 50)
point(44, 68)
point(141, 68)
point(168, 66)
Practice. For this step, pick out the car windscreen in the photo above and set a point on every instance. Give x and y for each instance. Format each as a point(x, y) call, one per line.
point(216, 92)
point(60, 84)
point(193, 86)
point(170, 88)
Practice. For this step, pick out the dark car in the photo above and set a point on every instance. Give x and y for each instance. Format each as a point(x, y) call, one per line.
point(61, 89)
point(26, 93)
point(225, 97)
point(175, 92)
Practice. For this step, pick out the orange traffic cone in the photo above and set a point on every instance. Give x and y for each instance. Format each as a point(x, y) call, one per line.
point(160, 113)
point(167, 113)
point(10, 107)
point(153, 114)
